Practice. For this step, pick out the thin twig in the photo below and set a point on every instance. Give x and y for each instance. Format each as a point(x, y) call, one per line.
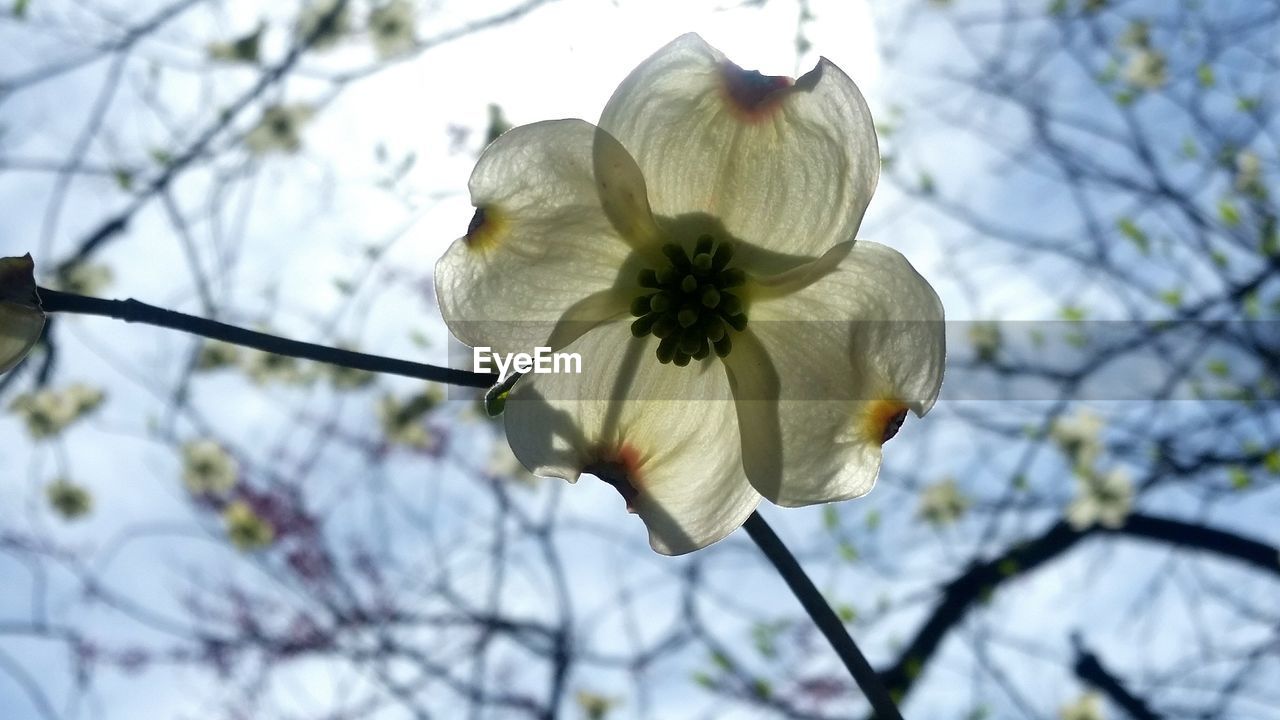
point(824, 617)
point(139, 312)
point(1089, 668)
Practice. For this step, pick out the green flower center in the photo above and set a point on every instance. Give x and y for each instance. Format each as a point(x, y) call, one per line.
point(689, 303)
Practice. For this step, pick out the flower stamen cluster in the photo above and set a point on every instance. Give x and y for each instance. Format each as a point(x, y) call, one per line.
point(693, 309)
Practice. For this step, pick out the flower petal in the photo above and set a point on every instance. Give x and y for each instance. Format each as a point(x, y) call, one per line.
point(20, 328)
point(560, 207)
point(666, 437)
point(825, 375)
point(786, 166)
point(21, 319)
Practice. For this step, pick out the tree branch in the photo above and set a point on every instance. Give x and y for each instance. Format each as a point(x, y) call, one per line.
point(823, 616)
point(982, 579)
point(1090, 669)
point(134, 311)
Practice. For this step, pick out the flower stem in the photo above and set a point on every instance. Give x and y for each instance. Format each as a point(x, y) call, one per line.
point(133, 311)
point(824, 617)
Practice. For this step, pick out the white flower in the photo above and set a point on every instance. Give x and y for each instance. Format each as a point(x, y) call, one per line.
point(1249, 173)
point(264, 367)
point(392, 28)
point(1088, 707)
point(595, 706)
point(48, 412)
point(986, 339)
point(403, 422)
point(1137, 35)
point(942, 503)
point(85, 278)
point(346, 378)
point(321, 25)
point(207, 469)
point(707, 195)
point(246, 49)
point(245, 528)
point(1079, 438)
point(215, 354)
point(279, 129)
point(1101, 498)
point(1146, 69)
point(21, 319)
point(68, 499)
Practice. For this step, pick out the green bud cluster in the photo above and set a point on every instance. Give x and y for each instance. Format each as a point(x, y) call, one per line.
point(689, 304)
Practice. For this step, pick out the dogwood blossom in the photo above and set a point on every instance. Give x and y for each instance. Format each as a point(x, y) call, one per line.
point(1080, 438)
point(68, 499)
point(986, 339)
point(21, 319)
point(279, 129)
point(246, 49)
point(1146, 69)
point(1087, 707)
point(216, 354)
point(696, 249)
point(1249, 180)
point(47, 412)
point(246, 529)
point(942, 503)
point(85, 278)
point(323, 23)
point(404, 421)
point(391, 27)
point(1102, 498)
point(208, 469)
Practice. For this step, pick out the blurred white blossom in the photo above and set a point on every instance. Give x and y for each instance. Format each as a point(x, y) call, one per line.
point(1147, 69)
point(279, 129)
point(1249, 174)
point(208, 469)
point(69, 500)
point(942, 503)
point(1079, 437)
point(986, 340)
point(244, 49)
point(1101, 498)
point(1087, 707)
point(345, 378)
point(402, 420)
point(215, 354)
point(322, 25)
point(48, 412)
point(85, 278)
point(264, 367)
point(245, 528)
point(391, 27)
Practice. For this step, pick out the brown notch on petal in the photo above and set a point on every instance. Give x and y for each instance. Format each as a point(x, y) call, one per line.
point(477, 220)
point(751, 94)
point(892, 427)
point(482, 231)
point(619, 469)
point(883, 420)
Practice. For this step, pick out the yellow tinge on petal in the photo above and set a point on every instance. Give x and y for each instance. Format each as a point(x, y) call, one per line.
point(881, 420)
point(486, 230)
point(21, 319)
